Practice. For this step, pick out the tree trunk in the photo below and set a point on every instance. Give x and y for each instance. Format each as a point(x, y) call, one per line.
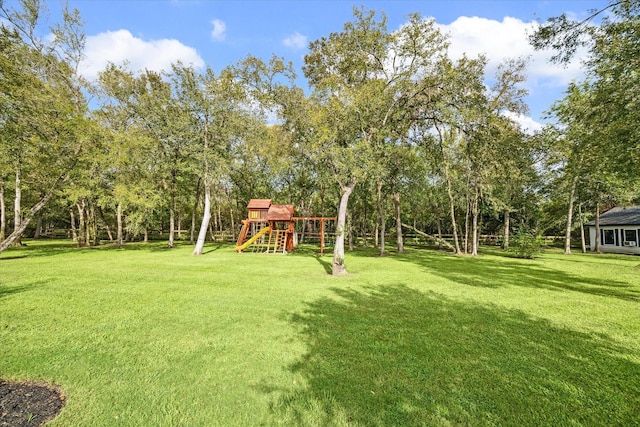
point(106, 224)
point(194, 213)
point(466, 225)
point(72, 222)
point(94, 226)
point(376, 234)
point(38, 231)
point(597, 227)
point(381, 217)
point(172, 209)
point(233, 223)
point(119, 236)
point(567, 233)
point(192, 230)
point(350, 222)
point(475, 235)
point(439, 240)
point(3, 211)
point(507, 226)
point(172, 224)
point(399, 239)
point(211, 234)
point(87, 226)
point(17, 208)
point(363, 230)
point(82, 232)
point(216, 221)
point(206, 217)
point(582, 236)
point(15, 235)
point(339, 267)
point(452, 212)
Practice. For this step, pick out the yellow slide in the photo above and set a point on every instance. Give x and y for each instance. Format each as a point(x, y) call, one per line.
point(248, 243)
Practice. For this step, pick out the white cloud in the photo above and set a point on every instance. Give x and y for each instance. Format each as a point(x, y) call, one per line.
point(218, 33)
point(296, 41)
point(121, 46)
point(526, 123)
point(499, 40)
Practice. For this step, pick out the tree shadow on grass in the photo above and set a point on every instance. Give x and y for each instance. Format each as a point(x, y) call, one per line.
point(52, 247)
point(37, 248)
point(214, 246)
point(150, 246)
point(10, 290)
point(399, 357)
point(492, 273)
point(327, 265)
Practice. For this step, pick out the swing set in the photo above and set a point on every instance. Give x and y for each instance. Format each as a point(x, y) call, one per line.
point(271, 229)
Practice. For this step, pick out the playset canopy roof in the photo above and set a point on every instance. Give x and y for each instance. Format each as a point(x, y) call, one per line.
point(280, 213)
point(259, 204)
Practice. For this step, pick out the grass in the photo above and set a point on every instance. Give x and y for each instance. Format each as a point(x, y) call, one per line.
point(149, 336)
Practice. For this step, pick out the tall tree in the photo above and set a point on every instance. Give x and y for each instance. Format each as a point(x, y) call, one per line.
point(609, 112)
point(44, 124)
point(130, 156)
point(217, 103)
point(441, 117)
point(363, 76)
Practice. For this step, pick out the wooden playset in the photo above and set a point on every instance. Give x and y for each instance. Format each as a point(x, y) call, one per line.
point(270, 228)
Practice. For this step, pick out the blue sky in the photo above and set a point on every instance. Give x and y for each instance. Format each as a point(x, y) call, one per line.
point(153, 33)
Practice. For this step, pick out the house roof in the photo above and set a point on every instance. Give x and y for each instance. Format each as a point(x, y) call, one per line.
point(259, 204)
point(280, 213)
point(619, 216)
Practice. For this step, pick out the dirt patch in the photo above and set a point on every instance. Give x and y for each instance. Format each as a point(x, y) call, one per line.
point(28, 404)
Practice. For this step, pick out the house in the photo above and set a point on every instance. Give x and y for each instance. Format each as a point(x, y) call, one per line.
point(619, 231)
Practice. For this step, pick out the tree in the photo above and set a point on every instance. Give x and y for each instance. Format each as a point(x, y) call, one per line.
point(130, 158)
point(217, 103)
point(566, 35)
point(363, 77)
point(149, 103)
point(44, 125)
point(608, 98)
point(439, 114)
point(573, 148)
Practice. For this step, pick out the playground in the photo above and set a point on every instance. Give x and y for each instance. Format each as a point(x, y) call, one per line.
point(271, 228)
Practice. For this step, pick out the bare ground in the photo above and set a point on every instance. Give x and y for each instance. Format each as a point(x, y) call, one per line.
point(28, 403)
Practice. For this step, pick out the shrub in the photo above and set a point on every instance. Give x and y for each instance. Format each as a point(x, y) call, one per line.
point(526, 243)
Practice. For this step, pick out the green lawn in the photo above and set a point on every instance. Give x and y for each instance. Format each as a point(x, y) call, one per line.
point(145, 336)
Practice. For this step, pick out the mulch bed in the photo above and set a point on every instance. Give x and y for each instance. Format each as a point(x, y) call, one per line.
point(28, 403)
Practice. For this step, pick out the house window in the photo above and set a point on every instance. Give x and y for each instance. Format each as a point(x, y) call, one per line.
point(608, 237)
point(630, 236)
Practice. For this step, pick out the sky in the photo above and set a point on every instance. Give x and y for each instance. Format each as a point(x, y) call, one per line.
point(154, 33)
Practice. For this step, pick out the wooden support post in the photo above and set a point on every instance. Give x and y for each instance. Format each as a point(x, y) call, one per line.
point(322, 228)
